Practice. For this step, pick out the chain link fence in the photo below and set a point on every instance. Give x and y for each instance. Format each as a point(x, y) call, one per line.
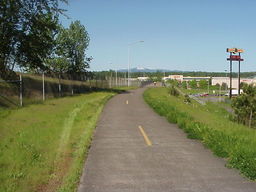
point(35, 88)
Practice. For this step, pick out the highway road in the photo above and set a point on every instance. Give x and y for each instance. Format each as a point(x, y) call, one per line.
point(136, 150)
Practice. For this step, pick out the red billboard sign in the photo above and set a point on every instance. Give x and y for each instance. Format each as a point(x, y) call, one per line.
point(235, 58)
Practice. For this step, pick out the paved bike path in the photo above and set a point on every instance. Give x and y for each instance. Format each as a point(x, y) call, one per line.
point(122, 159)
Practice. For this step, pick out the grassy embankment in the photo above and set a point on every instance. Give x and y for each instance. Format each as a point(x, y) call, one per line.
point(43, 146)
point(210, 124)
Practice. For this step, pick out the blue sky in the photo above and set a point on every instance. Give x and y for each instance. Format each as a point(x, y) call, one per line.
point(179, 34)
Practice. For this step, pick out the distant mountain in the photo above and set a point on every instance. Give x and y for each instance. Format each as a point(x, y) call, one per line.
point(147, 70)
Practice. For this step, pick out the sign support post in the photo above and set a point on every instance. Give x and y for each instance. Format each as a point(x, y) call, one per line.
point(234, 58)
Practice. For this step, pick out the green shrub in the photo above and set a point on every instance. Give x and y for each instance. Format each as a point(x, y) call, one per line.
point(187, 99)
point(173, 91)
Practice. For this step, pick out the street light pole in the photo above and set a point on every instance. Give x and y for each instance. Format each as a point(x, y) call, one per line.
point(116, 77)
point(129, 60)
point(239, 74)
point(110, 78)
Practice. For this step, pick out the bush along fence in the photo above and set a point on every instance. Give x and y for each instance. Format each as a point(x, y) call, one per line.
point(34, 88)
point(235, 146)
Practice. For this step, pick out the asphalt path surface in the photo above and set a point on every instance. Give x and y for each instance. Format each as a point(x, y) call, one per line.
point(134, 149)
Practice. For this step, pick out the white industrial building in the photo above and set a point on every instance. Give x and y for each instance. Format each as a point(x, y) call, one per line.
point(181, 78)
point(143, 78)
point(220, 80)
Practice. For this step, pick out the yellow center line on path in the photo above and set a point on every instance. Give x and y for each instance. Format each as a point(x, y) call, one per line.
point(127, 102)
point(148, 142)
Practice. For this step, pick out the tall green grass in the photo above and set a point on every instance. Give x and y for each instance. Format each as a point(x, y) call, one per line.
point(210, 124)
point(43, 146)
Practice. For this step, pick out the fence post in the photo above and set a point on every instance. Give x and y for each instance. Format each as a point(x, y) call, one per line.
point(59, 87)
point(43, 87)
point(21, 88)
point(70, 78)
point(90, 84)
point(109, 79)
point(125, 78)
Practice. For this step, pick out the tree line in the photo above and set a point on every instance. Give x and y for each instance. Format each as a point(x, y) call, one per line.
point(32, 39)
point(193, 74)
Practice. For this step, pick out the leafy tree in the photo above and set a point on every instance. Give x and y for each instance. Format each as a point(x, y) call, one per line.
point(75, 41)
point(173, 82)
point(193, 84)
point(217, 85)
point(8, 35)
point(224, 86)
point(203, 84)
point(59, 62)
point(36, 44)
point(69, 56)
point(58, 65)
point(184, 84)
point(27, 29)
point(242, 84)
point(156, 77)
point(159, 76)
point(173, 91)
point(245, 106)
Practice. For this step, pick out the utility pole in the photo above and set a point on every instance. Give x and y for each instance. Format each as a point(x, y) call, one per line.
point(129, 60)
point(125, 80)
point(116, 77)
